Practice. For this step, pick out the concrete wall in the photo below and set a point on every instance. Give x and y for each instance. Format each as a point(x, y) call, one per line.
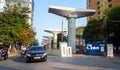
point(55, 52)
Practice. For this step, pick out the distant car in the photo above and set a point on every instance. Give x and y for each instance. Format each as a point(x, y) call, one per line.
point(36, 53)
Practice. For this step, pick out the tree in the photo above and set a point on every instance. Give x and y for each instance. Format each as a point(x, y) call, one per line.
point(12, 22)
point(27, 35)
point(60, 39)
point(36, 42)
point(114, 13)
point(93, 31)
point(113, 21)
point(79, 30)
point(113, 25)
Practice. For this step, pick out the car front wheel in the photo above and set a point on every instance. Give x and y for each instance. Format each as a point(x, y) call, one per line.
point(27, 60)
point(45, 58)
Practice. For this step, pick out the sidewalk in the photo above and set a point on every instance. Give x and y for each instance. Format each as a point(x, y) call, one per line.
point(115, 59)
point(83, 55)
point(13, 54)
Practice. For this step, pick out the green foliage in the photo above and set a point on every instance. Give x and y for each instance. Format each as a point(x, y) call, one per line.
point(79, 30)
point(114, 13)
point(27, 35)
point(12, 21)
point(35, 42)
point(93, 31)
point(99, 29)
point(113, 25)
point(60, 38)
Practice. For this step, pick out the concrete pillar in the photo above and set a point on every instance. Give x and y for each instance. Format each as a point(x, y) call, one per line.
point(55, 37)
point(49, 42)
point(72, 33)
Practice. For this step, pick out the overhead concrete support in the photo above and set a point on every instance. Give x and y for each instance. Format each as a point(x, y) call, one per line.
point(49, 38)
point(71, 14)
point(49, 41)
point(44, 41)
point(55, 32)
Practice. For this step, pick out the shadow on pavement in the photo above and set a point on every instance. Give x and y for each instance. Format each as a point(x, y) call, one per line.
point(20, 59)
point(7, 68)
point(17, 59)
point(56, 68)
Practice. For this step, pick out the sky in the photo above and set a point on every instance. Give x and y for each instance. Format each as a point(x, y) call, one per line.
point(43, 20)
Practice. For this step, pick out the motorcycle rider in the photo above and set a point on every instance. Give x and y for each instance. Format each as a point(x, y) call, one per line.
point(23, 51)
point(4, 53)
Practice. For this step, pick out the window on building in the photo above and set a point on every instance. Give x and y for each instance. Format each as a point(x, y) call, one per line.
point(110, 5)
point(98, 12)
point(115, 2)
point(89, 1)
point(98, 17)
point(98, 2)
point(98, 7)
point(89, 17)
point(109, 0)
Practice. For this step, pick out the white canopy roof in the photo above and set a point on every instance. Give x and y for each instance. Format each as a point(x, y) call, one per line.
point(67, 12)
point(54, 31)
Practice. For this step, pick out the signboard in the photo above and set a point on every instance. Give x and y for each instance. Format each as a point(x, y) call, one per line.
point(110, 50)
point(66, 51)
point(92, 49)
point(69, 51)
point(95, 49)
point(102, 48)
point(63, 47)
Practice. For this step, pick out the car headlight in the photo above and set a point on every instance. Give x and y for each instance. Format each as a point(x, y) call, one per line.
point(44, 54)
point(29, 55)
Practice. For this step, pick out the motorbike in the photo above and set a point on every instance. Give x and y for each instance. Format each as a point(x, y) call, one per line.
point(23, 53)
point(4, 55)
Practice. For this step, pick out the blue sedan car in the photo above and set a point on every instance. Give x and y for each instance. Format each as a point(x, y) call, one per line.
point(36, 53)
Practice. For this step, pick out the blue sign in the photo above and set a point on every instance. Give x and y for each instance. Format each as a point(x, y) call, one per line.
point(95, 49)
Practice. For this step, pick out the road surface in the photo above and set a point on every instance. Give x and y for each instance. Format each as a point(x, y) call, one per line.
point(62, 63)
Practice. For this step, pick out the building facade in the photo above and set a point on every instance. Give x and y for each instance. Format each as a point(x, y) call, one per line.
point(26, 3)
point(2, 4)
point(100, 6)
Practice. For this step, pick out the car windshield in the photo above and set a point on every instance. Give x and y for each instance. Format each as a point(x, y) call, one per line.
point(35, 49)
